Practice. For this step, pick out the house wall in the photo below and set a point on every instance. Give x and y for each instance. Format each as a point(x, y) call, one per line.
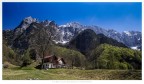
point(60, 62)
point(49, 65)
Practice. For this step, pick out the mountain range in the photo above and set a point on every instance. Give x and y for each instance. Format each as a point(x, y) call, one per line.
point(64, 33)
point(132, 39)
point(80, 42)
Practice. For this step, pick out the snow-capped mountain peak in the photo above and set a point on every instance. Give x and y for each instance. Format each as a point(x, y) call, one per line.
point(45, 22)
point(129, 38)
point(29, 20)
point(68, 31)
point(63, 26)
point(26, 22)
point(72, 24)
point(64, 33)
point(128, 33)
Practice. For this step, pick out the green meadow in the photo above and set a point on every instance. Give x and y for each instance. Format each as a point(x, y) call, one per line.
point(70, 74)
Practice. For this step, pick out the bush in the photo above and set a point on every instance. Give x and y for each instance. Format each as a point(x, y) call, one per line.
point(123, 66)
point(5, 66)
point(26, 59)
point(9, 55)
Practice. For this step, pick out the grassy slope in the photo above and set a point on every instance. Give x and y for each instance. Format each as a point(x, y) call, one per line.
point(70, 74)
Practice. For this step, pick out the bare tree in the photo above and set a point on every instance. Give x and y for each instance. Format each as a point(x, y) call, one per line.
point(41, 42)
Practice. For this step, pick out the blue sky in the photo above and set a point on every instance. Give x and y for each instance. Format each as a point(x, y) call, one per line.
point(117, 16)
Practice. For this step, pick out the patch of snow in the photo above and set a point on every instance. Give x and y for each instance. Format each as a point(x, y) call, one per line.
point(64, 42)
point(62, 33)
point(55, 41)
point(128, 33)
point(115, 32)
point(29, 20)
point(72, 24)
point(135, 34)
point(63, 26)
point(135, 48)
point(61, 42)
point(24, 26)
point(69, 33)
point(82, 29)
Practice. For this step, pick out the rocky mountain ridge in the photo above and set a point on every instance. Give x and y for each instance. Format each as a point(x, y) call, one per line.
point(62, 34)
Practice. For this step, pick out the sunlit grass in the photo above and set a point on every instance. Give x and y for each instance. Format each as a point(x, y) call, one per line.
point(70, 74)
